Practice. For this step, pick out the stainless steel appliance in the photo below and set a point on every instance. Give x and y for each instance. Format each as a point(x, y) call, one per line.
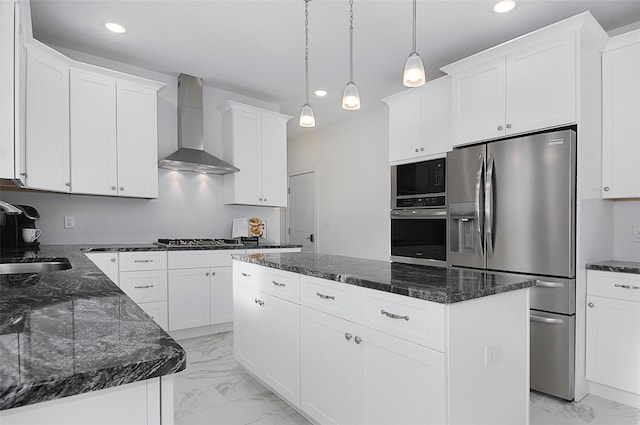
point(191, 243)
point(512, 209)
point(418, 212)
point(13, 224)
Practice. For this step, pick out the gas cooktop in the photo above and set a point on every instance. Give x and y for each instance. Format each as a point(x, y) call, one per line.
point(186, 243)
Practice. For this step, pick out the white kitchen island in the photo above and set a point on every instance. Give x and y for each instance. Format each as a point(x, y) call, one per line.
point(352, 341)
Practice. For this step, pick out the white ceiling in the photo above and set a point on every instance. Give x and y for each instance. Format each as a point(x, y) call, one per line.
point(256, 48)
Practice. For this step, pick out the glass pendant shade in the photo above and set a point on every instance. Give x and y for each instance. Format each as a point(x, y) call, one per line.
point(351, 97)
point(307, 119)
point(414, 75)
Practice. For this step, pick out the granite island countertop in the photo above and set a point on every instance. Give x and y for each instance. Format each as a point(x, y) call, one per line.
point(443, 285)
point(615, 266)
point(73, 331)
point(153, 247)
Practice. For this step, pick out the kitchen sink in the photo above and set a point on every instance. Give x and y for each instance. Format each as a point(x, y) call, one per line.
point(33, 265)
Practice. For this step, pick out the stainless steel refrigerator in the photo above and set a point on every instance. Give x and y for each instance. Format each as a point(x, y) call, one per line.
point(512, 209)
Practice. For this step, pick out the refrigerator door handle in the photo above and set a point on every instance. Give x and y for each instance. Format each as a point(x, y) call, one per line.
point(479, 175)
point(488, 205)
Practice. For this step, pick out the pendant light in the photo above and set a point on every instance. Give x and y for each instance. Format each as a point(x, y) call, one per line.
point(307, 119)
point(414, 75)
point(350, 96)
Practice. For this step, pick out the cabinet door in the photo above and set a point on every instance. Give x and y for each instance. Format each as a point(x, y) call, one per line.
point(620, 124)
point(274, 162)
point(405, 117)
point(221, 295)
point(282, 347)
point(246, 187)
point(107, 262)
point(6, 90)
point(478, 97)
point(399, 382)
point(328, 368)
point(613, 343)
point(541, 86)
point(248, 326)
point(47, 120)
point(188, 298)
point(436, 117)
point(157, 310)
point(137, 132)
point(93, 134)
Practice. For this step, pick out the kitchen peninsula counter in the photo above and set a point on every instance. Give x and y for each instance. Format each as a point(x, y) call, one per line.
point(153, 247)
point(443, 285)
point(74, 331)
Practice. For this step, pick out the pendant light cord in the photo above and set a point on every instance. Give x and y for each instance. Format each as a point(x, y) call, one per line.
point(351, 40)
point(306, 50)
point(414, 26)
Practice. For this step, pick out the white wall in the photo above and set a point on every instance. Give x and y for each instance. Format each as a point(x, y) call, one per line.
point(188, 204)
point(351, 159)
point(626, 216)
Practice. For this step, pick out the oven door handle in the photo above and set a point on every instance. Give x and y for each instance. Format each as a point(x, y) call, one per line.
point(419, 213)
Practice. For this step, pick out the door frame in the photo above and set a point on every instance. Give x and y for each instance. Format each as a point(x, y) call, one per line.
point(314, 171)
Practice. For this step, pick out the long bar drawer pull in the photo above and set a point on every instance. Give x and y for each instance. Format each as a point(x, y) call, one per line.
point(143, 261)
point(246, 274)
point(394, 316)
point(143, 287)
point(325, 297)
point(617, 285)
point(547, 320)
point(282, 285)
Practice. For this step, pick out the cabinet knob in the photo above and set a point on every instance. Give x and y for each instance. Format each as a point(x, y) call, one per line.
point(23, 174)
point(421, 149)
point(591, 305)
point(206, 274)
point(606, 188)
point(113, 188)
point(260, 199)
point(508, 125)
point(348, 336)
point(416, 149)
point(68, 184)
point(265, 199)
point(113, 260)
point(358, 340)
point(121, 188)
point(499, 128)
point(213, 273)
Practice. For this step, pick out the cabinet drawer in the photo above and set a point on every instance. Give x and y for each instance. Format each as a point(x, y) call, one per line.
point(282, 284)
point(157, 310)
point(623, 286)
point(247, 274)
point(418, 321)
point(143, 260)
point(200, 259)
point(335, 298)
point(145, 286)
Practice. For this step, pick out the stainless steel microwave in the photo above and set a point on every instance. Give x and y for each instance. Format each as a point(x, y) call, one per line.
point(419, 213)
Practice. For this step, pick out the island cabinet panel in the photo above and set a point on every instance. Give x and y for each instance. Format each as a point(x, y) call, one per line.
point(248, 322)
point(328, 296)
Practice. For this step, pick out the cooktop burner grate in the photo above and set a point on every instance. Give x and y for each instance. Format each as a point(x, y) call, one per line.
point(197, 242)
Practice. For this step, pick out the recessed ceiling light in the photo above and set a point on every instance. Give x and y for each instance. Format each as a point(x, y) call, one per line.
point(113, 27)
point(320, 93)
point(504, 6)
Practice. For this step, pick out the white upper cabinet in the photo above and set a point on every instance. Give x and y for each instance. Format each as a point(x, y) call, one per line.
point(255, 141)
point(46, 123)
point(6, 90)
point(420, 122)
point(620, 123)
point(532, 82)
point(529, 89)
point(113, 136)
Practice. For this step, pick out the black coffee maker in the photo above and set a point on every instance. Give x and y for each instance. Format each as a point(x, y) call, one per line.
point(11, 228)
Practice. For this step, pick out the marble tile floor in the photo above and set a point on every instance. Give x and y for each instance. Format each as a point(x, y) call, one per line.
point(214, 389)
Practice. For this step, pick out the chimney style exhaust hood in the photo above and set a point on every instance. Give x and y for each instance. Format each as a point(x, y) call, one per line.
point(190, 155)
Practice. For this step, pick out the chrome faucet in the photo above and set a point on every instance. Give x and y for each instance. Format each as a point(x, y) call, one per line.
point(9, 209)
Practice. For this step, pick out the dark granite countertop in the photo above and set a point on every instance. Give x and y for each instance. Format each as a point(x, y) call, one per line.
point(443, 285)
point(73, 331)
point(615, 266)
point(152, 247)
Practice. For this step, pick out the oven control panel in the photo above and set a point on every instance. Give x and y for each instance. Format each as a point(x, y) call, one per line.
point(421, 202)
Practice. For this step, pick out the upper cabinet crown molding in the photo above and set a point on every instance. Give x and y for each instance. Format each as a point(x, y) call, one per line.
point(237, 106)
point(623, 40)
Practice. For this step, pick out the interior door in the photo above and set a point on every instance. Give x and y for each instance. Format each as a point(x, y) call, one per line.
point(302, 211)
point(531, 197)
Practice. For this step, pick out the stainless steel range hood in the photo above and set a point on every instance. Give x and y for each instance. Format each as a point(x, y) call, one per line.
point(190, 155)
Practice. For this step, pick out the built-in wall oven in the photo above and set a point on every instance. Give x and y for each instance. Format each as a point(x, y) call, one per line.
point(419, 213)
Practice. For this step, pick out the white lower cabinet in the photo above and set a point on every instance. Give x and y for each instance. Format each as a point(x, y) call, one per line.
point(613, 335)
point(188, 298)
point(107, 262)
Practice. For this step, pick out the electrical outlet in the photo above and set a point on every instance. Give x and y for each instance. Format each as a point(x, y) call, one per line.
point(635, 237)
point(69, 222)
point(492, 354)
